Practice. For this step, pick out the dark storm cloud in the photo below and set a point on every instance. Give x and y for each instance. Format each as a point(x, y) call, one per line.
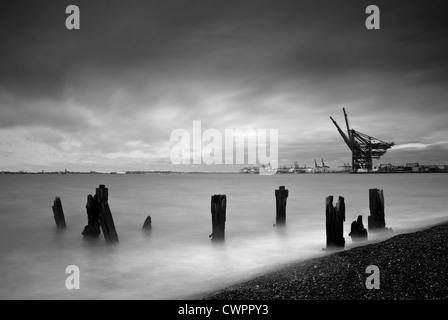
point(319, 40)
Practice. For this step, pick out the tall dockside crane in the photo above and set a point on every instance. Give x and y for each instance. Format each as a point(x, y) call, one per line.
point(364, 148)
point(324, 166)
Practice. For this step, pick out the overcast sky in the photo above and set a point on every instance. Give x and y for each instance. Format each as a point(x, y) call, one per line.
point(107, 97)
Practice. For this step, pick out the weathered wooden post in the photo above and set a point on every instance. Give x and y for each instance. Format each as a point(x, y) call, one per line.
point(280, 199)
point(218, 209)
point(335, 218)
point(376, 221)
point(357, 230)
point(147, 226)
point(58, 213)
point(92, 230)
point(105, 216)
point(99, 215)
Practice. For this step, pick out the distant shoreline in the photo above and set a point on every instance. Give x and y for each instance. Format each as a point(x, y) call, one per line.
point(412, 266)
point(112, 173)
point(202, 172)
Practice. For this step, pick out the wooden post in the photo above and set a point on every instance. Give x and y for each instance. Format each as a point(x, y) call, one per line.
point(147, 225)
point(376, 221)
point(105, 216)
point(335, 218)
point(99, 215)
point(357, 230)
point(92, 230)
point(218, 209)
point(59, 214)
point(280, 199)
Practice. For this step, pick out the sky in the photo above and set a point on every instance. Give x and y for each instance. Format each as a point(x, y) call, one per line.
point(108, 96)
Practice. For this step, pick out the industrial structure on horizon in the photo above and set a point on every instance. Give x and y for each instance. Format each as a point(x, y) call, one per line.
point(364, 148)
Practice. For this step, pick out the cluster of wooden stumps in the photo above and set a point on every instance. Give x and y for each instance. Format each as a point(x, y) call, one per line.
point(99, 217)
point(336, 216)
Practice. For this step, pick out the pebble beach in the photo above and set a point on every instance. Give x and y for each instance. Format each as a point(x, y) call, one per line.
point(412, 266)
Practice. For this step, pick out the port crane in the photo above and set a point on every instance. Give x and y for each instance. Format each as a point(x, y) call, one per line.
point(317, 168)
point(346, 167)
point(364, 148)
point(324, 167)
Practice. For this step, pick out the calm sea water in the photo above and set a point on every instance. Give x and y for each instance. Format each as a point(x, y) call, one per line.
point(177, 259)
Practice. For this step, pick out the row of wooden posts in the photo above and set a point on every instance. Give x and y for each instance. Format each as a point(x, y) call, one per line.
point(99, 217)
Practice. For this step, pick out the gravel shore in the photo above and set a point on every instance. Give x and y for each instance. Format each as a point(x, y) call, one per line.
point(412, 266)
